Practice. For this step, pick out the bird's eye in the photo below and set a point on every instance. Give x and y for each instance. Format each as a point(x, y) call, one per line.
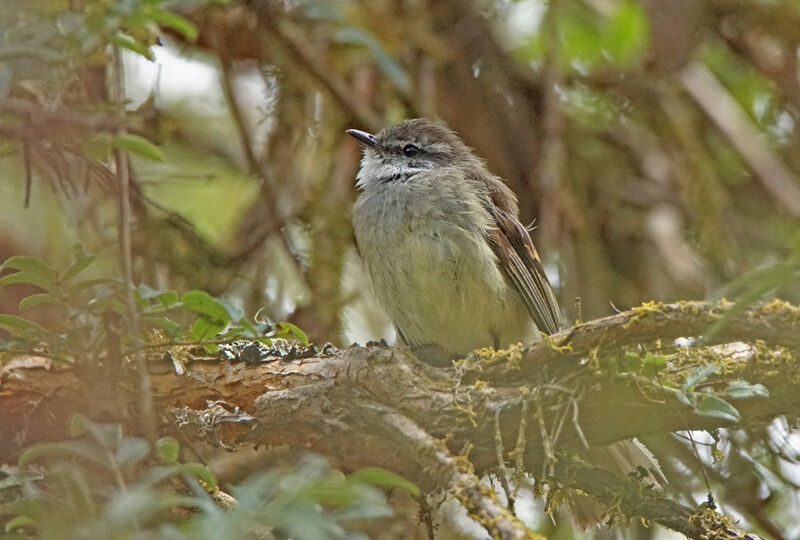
point(410, 150)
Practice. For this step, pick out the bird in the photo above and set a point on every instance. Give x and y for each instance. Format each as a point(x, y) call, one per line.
point(453, 266)
point(447, 256)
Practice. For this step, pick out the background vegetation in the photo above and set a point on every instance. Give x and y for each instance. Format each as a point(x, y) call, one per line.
point(654, 144)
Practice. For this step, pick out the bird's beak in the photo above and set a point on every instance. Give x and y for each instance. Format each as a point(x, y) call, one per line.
point(366, 139)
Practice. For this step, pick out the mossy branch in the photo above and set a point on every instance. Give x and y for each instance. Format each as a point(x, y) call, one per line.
point(379, 406)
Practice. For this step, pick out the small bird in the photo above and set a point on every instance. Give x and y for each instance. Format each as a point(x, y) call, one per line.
point(452, 265)
point(441, 241)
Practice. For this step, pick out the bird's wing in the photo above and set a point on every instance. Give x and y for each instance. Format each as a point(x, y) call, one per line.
point(520, 262)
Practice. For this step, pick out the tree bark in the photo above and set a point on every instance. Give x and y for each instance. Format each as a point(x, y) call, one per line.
point(379, 406)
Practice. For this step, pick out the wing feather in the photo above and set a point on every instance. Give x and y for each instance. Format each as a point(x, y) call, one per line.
point(521, 264)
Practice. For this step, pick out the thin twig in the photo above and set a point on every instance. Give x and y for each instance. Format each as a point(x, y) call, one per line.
point(553, 152)
point(147, 412)
point(577, 425)
point(519, 448)
point(235, 109)
point(501, 464)
point(560, 420)
point(271, 217)
point(549, 456)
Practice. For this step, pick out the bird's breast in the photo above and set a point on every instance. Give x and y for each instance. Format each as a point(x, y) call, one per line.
point(435, 274)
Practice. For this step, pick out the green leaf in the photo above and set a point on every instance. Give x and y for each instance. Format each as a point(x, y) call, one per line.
point(32, 265)
point(168, 449)
point(286, 329)
point(685, 398)
point(21, 327)
point(204, 303)
point(176, 22)
point(19, 478)
point(147, 292)
point(80, 448)
point(78, 425)
point(719, 408)
point(140, 302)
point(699, 375)
point(76, 490)
point(82, 260)
point(743, 389)
point(381, 477)
point(30, 279)
point(203, 328)
point(361, 510)
point(632, 362)
point(627, 35)
point(653, 364)
point(169, 298)
point(20, 522)
point(201, 472)
point(31, 270)
point(127, 42)
point(138, 145)
point(38, 299)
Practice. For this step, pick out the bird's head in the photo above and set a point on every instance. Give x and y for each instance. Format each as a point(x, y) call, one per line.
point(400, 151)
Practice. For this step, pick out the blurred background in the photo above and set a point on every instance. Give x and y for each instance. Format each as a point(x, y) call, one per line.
point(653, 144)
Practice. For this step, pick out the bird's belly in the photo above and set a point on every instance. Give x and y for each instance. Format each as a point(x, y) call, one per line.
point(445, 289)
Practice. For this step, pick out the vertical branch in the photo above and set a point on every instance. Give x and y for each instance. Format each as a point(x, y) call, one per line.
point(235, 108)
point(270, 218)
point(551, 164)
point(556, 204)
point(121, 164)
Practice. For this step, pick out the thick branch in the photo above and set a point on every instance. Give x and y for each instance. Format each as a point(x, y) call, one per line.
point(380, 406)
point(775, 324)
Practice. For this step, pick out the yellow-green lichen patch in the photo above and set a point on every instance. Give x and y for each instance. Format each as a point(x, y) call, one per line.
point(647, 308)
point(776, 308)
point(511, 356)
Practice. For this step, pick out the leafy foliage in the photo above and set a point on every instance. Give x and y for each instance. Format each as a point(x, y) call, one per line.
point(696, 392)
point(83, 306)
point(102, 484)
